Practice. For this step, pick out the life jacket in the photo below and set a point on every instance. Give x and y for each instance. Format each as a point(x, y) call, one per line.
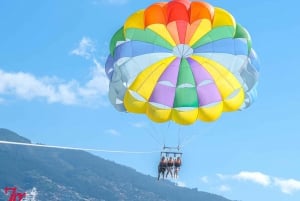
point(177, 163)
point(163, 164)
point(170, 163)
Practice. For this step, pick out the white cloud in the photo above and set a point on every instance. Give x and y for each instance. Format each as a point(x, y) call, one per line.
point(54, 90)
point(256, 177)
point(287, 186)
point(204, 179)
point(139, 124)
point(27, 86)
point(97, 86)
point(222, 176)
point(224, 188)
point(86, 48)
point(112, 132)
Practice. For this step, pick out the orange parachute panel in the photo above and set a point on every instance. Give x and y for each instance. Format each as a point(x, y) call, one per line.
point(200, 10)
point(155, 14)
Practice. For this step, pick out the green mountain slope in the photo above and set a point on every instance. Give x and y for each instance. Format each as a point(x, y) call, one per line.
point(66, 175)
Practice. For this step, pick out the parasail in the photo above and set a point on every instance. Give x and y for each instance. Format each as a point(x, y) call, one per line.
point(182, 61)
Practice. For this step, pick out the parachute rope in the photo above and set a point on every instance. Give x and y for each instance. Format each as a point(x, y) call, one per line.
point(179, 136)
point(155, 138)
point(78, 148)
point(188, 139)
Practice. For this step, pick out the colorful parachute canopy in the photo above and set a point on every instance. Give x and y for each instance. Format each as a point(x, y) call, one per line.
point(181, 61)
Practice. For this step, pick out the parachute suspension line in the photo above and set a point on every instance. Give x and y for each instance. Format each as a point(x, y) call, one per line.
point(154, 129)
point(150, 132)
point(168, 132)
point(179, 137)
point(189, 139)
point(77, 148)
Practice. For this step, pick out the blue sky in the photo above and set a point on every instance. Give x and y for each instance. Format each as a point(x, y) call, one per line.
point(53, 90)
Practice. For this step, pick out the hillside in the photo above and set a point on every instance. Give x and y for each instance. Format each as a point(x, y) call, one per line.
point(67, 175)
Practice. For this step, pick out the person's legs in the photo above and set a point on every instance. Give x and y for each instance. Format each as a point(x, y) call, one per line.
point(158, 172)
point(175, 172)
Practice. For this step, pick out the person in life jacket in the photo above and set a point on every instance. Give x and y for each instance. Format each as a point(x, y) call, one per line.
point(170, 165)
point(177, 165)
point(162, 166)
